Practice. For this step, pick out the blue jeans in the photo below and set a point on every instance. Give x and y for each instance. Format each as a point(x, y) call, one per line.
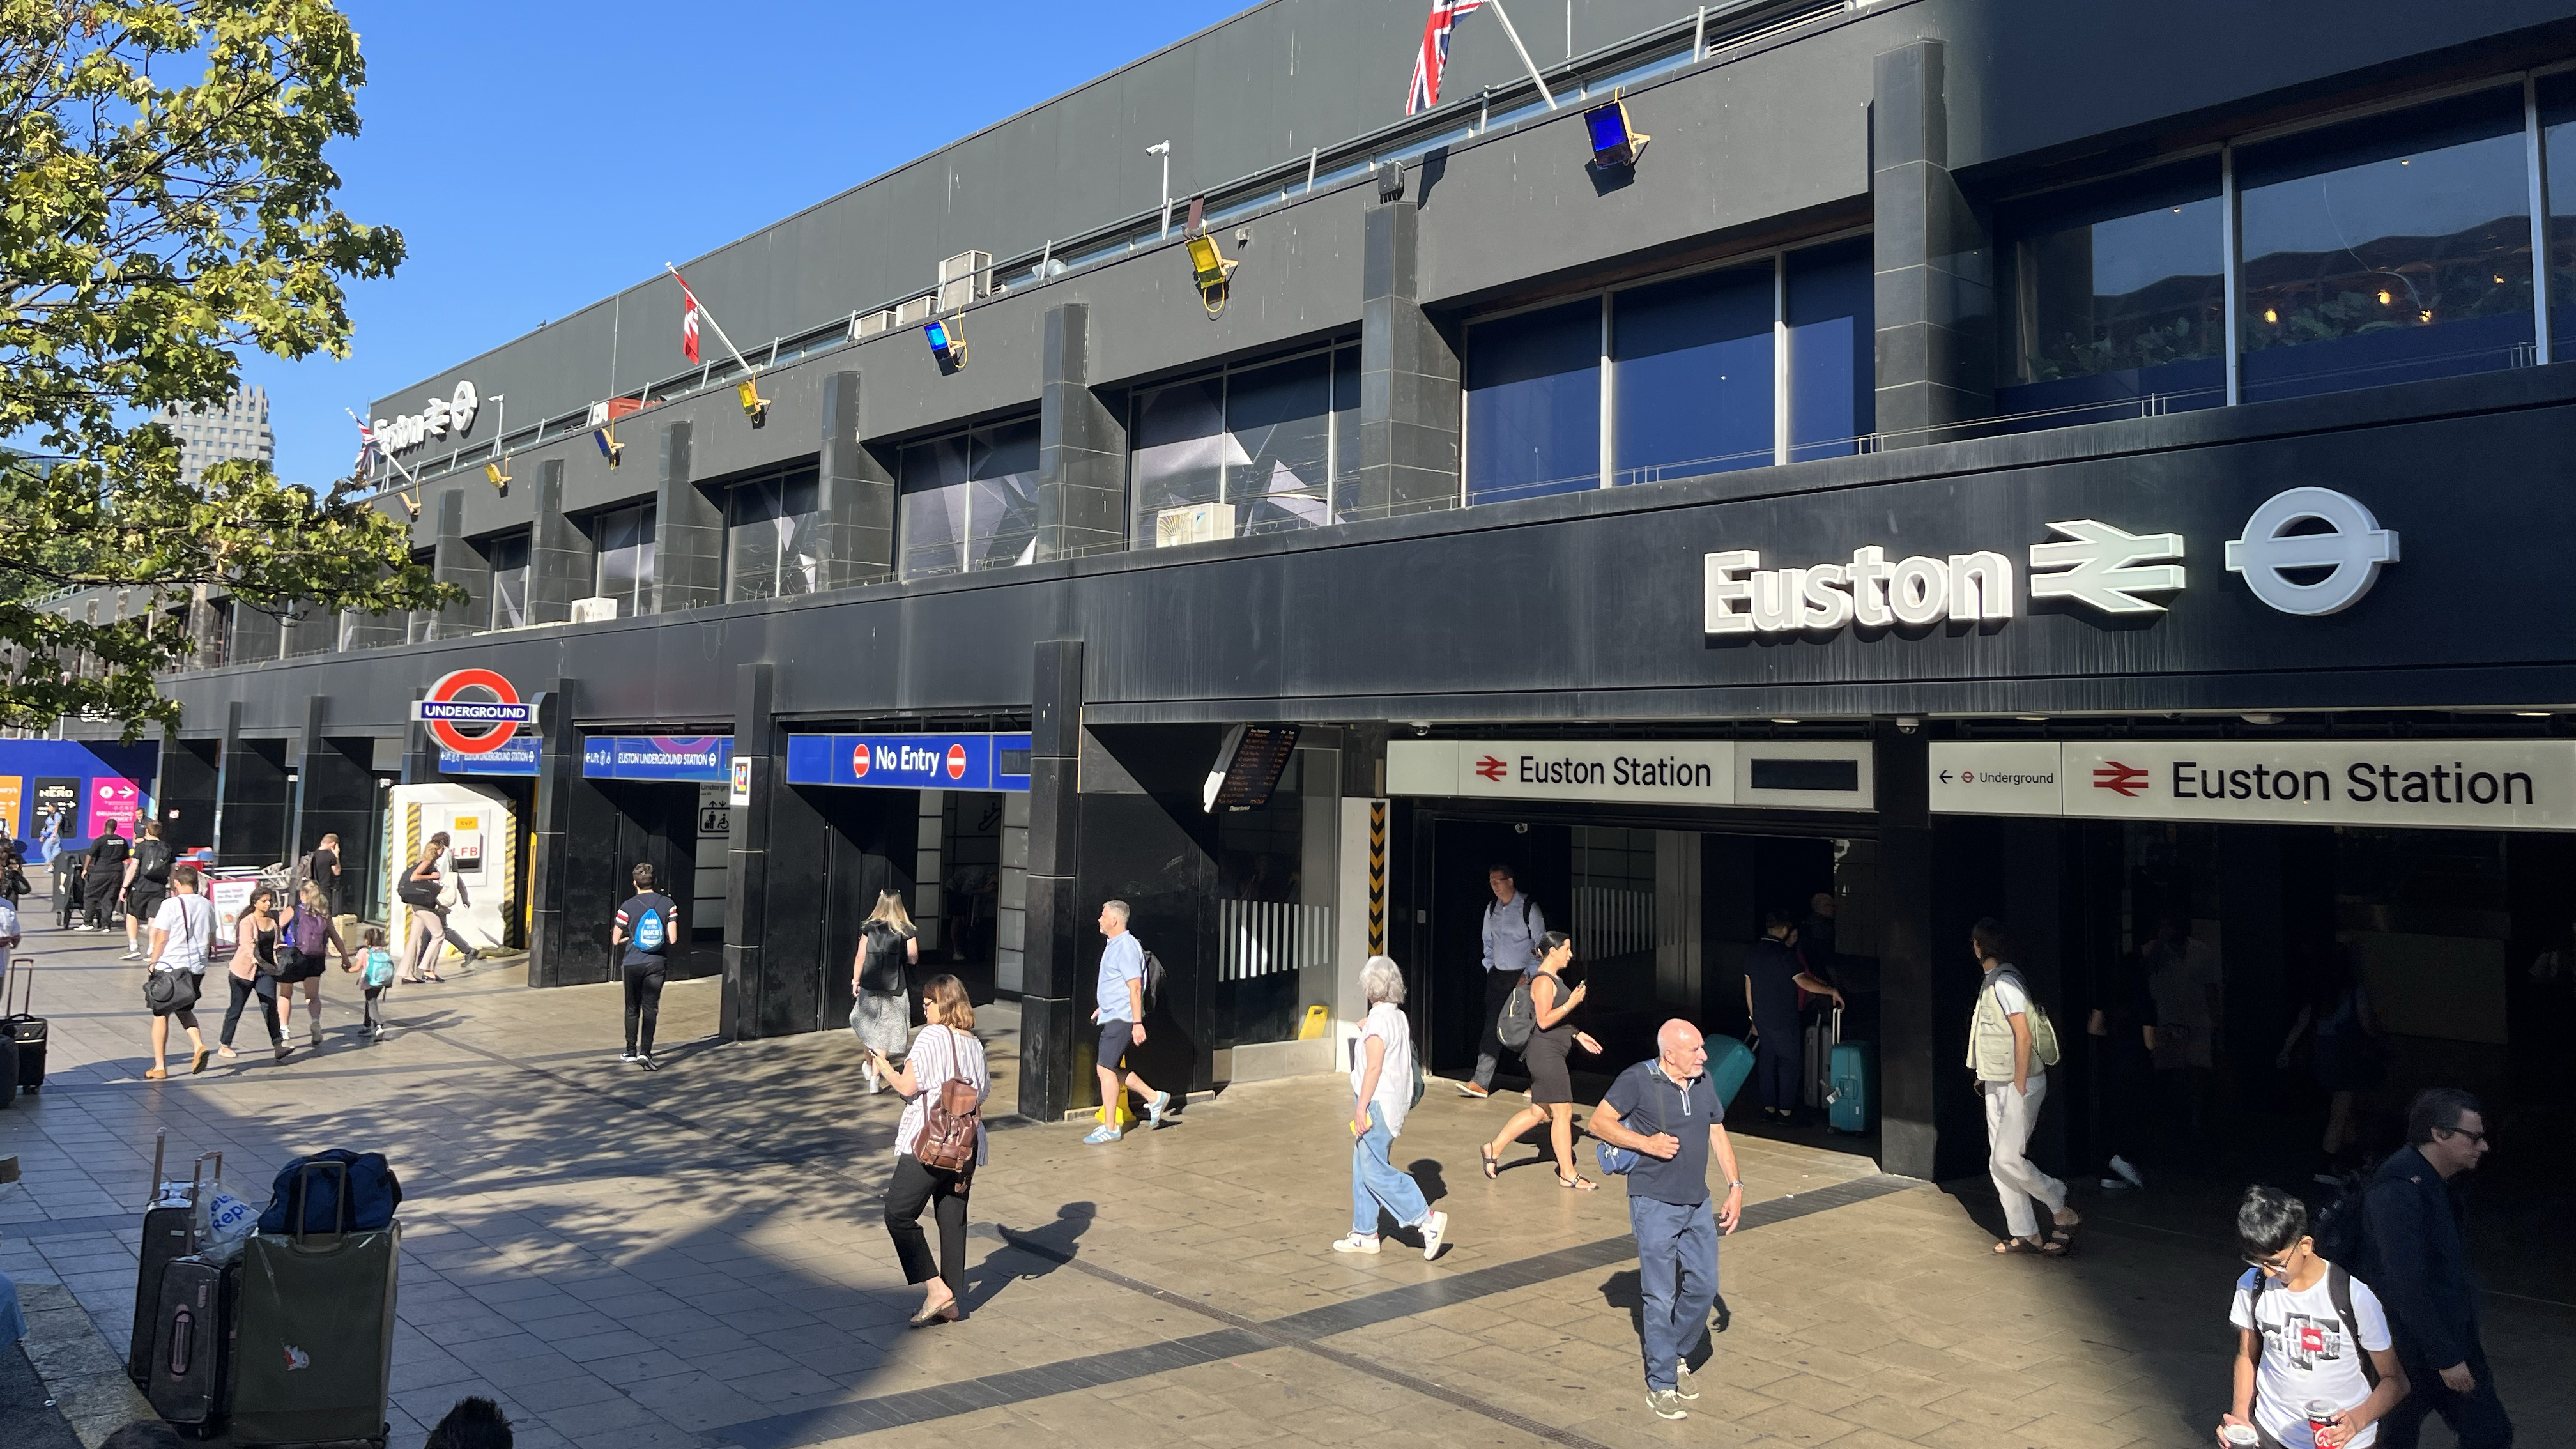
point(1375, 1182)
point(1677, 1275)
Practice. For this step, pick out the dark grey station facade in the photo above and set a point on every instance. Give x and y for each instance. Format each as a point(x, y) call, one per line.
point(2104, 467)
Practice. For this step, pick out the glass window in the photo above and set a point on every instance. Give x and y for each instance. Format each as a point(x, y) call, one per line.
point(2385, 250)
point(1694, 386)
point(509, 555)
point(1833, 359)
point(1534, 403)
point(1264, 443)
point(625, 540)
point(2115, 299)
point(970, 500)
point(1346, 433)
point(2558, 148)
point(771, 525)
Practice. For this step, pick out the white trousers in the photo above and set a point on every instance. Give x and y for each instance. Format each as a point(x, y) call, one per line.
point(2009, 1117)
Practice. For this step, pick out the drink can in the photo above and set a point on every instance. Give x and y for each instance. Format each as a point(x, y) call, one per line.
point(2320, 1417)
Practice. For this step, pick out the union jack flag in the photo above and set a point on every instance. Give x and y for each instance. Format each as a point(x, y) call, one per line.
point(688, 320)
point(1432, 57)
point(366, 453)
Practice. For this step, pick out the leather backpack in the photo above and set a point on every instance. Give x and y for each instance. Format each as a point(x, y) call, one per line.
point(949, 1125)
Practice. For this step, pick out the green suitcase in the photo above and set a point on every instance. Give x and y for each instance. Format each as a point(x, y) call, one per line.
point(314, 1336)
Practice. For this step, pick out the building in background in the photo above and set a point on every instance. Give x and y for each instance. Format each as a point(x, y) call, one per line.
point(236, 428)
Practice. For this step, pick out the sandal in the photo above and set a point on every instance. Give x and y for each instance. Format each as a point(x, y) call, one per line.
point(1493, 1165)
point(198, 1062)
point(2061, 1238)
point(1578, 1182)
point(157, 1074)
point(2011, 1247)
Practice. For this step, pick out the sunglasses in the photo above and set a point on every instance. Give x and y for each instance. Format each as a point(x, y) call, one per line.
point(2479, 1138)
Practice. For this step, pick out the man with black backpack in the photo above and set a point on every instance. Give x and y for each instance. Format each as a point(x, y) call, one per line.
point(2415, 1251)
point(147, 884)
point(1123, 992)
point(1512, 927)
point(645, 925)
point(2314, 1368)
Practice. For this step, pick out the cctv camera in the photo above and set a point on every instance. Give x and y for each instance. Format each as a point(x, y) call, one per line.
point(1421, 727)
point(1907, 724)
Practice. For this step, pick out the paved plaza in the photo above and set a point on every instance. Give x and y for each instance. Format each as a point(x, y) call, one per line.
point(694, 1258)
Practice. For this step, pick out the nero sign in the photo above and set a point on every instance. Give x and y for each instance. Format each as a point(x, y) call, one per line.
point(2477, 784)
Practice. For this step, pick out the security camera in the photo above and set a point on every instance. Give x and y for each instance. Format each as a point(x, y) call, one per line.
point(1421, 727)
point(1907, 724)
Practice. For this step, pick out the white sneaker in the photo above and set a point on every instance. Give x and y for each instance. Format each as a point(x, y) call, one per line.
point(1432, 1232)
point(2127, 1169)
point(628, 1057)
point(1683, 1388)
point(1666, 1403)
point(1356, 1243)
point(1154, 1108)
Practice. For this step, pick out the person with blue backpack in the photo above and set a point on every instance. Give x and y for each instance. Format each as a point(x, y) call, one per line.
point(1386, 1084)
point(645, 925)
point(378, 978)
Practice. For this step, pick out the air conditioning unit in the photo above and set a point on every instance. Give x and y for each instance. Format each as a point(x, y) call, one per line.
point(870, 324)
point(1193, 523)
point(963, 278)
point(593, 610)
point(914, 312)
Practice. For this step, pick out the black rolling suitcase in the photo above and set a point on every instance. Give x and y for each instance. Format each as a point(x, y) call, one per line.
point(26, 1029)
point(192, 1331)
point(167, 1225)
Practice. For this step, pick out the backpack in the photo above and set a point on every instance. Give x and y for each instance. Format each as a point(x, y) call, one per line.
point(373, 1193)
point(948, 1127)
point(152, 860)
point(304, 931)
point(1519, 1021)
point(2043, 1032)
point(650, 936)
point(2339, 1227)
point(1153, 981)
point(380, 967)
point(2339, 1289)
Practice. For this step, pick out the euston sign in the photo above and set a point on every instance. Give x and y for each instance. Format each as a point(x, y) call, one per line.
point(2476, 784)
point(2098, 565)
point(499, 713)
point(518, 756)
point(911, 762)
point(436, 416)
point(703, 758)
point(1828, 774)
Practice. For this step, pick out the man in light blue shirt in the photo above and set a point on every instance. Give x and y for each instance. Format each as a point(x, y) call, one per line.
point(1121, 1015)
point(1513, 924)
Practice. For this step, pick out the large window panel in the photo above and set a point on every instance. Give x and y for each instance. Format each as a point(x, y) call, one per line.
point(1264, 443)
point(969, 500)
point(2558, 149)
point(1534, 403)
point(2116, 299)
point(1346, 433)
point(1179, 448)
point(1833, 367)
point(1280, 420)
point(625, 540)
point(771, 528)
point(932, 480)
point(1694, 388)
point(2387, 250)
point(509, 558)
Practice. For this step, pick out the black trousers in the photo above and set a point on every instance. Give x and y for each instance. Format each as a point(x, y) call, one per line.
point(1489, 1046)
point(2476, 1417)
point(916, 1187)
point(1779, 1055)
point(264, 986)
point(99, 901)
point(643, 1004)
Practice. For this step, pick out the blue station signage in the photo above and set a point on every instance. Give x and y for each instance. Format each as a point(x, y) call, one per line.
point(702, 758)
point(910, 762)
point(517, 757)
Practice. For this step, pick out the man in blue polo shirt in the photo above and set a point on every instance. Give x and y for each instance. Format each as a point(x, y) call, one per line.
point(1669, 1098)
point(1121, 1015)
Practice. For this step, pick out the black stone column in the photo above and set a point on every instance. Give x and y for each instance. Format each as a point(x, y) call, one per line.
point(758, 744)
point(561, 564)
point(1935, 291)
point(688, 533)
point(1409, 378)
point(854, 544)
point(184, 791)
point(455, 561)
point(1051, 969)
point(571, 884)
point(1082, 446)
point(1908, 1069)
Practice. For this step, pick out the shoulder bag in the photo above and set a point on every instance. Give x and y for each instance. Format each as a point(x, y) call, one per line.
point(955, 1114)
point(1619, 1161)
point(418, 893)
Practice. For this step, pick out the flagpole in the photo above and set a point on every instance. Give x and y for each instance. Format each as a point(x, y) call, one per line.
point(747, 368)
point(383, 450)
point(1543, 92)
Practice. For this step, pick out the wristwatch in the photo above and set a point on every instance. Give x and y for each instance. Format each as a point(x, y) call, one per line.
point(1736, 1186)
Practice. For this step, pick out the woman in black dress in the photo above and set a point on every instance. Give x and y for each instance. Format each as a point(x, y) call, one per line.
point(1551, 1084)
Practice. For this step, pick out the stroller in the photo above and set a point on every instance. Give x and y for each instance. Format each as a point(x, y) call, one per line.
point(67, 892)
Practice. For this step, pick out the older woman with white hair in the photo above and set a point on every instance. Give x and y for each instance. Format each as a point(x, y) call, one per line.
point(1384, 1086)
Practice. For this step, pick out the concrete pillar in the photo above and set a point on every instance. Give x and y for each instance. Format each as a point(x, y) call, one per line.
point(688, 533)
point(1409, 378)
point(452, 560)
point(1082, 446)
point(562, 565)
point(854, 544)
point(1933, 257)
point(1051, 942)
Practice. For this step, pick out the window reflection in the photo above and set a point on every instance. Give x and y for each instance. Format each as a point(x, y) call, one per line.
point(970, 500)
point(509, 556)
point(771, 526)
point(2386, 250)
point(625, 542)
point(2558, 147)
point(2116, 299)
point(1534, 403)
point(1833, 357)
point(1695, 374)
point(1249, 450)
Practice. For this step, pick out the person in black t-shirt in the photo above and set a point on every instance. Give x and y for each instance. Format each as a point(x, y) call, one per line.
point(323, 869)
point(147, 884)
point(103, 880)
point(645, 926)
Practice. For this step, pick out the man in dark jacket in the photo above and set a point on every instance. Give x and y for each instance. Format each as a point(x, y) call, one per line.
point(2419, 1265)
point(103, 879)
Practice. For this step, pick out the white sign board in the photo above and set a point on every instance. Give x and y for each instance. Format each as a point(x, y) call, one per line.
point(2396, 784)
point(1826, 774)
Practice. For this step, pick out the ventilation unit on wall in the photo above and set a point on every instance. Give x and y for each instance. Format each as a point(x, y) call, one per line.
point(963, 278)
point(914, 312)
point(1193, 523)
point(869, 324)
point(593, 610)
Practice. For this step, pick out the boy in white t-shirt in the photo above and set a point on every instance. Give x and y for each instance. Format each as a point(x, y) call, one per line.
point(2308, 1333)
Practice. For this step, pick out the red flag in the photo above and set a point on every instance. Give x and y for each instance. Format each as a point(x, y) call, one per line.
point(688, 320)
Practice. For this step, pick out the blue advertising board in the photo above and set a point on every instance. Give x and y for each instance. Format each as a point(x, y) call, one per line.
point(910, 762)
point(707, 758)
point(518, 757)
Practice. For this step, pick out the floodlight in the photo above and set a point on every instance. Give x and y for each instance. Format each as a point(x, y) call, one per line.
point(609, 448)
point(1615, 142)
point(754, 406)
point(1208, 265)
point(497, 473)
point(946, 342)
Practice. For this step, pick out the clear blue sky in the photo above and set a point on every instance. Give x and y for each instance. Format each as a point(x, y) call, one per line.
point(489, 125)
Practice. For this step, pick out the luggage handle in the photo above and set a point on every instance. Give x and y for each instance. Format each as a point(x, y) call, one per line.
point(340, 1214)
point(197, 1178)
point(160, 1146)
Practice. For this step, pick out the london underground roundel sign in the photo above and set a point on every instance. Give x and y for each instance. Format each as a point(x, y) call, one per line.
point(471, 700)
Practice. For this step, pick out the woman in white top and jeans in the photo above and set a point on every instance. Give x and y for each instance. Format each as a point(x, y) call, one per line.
point(1381, 1093)
point(944, 1051)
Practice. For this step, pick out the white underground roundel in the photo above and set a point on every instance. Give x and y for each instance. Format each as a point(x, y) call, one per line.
point(2352, 550)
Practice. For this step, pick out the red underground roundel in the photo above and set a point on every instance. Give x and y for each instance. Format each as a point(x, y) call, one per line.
point(859, 763)
point(472, 711)
point(957, 762)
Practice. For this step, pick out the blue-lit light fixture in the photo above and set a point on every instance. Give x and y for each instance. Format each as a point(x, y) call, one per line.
point(1615, 142)
point(946, 342)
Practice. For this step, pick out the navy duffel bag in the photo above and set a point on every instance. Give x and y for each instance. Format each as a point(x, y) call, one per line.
point(373, 1193)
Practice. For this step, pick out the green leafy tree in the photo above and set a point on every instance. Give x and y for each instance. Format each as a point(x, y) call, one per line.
point(164, 204)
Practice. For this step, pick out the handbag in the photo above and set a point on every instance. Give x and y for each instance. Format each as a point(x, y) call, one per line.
point(166, 993)
point(950, 1127)
point(1619, 1161)
point(417, 893)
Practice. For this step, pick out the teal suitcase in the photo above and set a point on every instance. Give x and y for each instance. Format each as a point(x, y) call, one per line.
point(1730, 1062)
point(314, 1335)
point(1854, 1087)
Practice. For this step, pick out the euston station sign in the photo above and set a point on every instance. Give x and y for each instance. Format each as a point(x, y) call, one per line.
point(911, 762)
point(2471, 784)
point(702, 758)
point(518, 756)
point(1831, 774)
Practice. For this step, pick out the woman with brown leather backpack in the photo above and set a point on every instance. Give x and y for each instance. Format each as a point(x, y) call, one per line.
point(939, 1143)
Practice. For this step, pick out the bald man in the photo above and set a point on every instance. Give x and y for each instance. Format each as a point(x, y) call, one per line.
point(1669, 1098)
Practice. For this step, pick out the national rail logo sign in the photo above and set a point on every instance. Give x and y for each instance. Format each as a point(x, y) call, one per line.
point(2129, 780)
point(494, 705)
